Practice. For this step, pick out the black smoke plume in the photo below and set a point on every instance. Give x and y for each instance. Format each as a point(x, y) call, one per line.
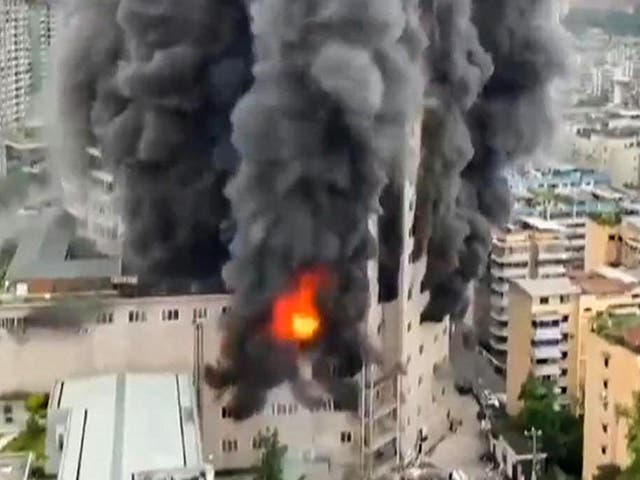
point(155, 93)
point(337, 84)
point(491, 66)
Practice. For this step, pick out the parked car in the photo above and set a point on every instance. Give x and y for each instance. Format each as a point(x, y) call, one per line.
point(463, 387)
point(489, 399)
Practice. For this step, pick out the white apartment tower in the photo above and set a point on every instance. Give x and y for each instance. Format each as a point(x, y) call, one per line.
point(15, 68)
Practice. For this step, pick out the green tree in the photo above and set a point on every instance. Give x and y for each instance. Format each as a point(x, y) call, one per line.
point(36, 404)
point(271, 460)
point(631, 414)
point(561, 431)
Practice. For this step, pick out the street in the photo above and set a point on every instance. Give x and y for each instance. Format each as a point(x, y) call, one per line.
point(462, 450)
point(469, 365)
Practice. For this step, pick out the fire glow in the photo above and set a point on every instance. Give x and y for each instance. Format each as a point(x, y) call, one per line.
point(295, 315)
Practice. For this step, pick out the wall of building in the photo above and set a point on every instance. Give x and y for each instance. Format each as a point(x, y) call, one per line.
point(613, 374)
point(602, 246)
point(103, 341)
point(518, 346)
point(13, 415)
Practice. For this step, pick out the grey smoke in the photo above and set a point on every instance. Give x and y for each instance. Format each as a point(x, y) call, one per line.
point(152, 83)
point(499, 115)
point(337, 85)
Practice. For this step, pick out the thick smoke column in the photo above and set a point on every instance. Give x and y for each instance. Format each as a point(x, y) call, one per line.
point(337, 83)
point(469, 146)
point(158, 102)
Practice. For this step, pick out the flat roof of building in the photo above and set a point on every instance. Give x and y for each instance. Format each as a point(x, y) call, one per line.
point(620, 329)
point(542, 224)
point(15, 466)
point(42, 253)
point(542, 287)
point(123, 424)
point(604, 280)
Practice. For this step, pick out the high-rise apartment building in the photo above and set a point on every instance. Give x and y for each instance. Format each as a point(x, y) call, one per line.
point(15, 63)
point(530, 248)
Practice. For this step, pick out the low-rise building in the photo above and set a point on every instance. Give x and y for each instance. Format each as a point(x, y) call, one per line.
point(125, 426)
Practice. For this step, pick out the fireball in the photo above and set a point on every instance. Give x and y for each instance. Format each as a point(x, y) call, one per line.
point(295, 315)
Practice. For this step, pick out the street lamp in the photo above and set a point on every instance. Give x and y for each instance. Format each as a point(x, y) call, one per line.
point(534, 434)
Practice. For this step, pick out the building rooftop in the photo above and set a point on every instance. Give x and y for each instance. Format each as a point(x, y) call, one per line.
point(620, 329)
point(43, 249)
point(603, 281)
point(543, 287)
point(15, 466)
point(120, 425)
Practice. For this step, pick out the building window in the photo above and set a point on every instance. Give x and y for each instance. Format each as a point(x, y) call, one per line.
point(421, 349)
point(346, 437)
point(409, 327)
point(225, 309)
point(60, 441)
point(605, 428)
point(257, 442)
point(544, 300)
point(565, 318)
point(379, 330)
point(200, 313)
point(564, 298)
point(563, 390)
point(229, 445)
point(606, 361)
point(105, 318)
point(603, 449)
point(563, 372)
point(136, 316)
point(605, 384)
point(564, 355)
point(224, 412)
point(7, 409)
point(420, 380)
point(170, 315)
point(293, 408)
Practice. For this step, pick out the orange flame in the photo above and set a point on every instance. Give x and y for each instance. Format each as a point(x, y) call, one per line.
point(296, 317)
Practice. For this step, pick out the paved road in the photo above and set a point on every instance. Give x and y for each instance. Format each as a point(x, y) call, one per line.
point(462, 450)
point(468, 364)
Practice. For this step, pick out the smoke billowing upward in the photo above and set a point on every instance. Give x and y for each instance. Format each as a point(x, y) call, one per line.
point(337, 84)
point(491, 67)
point(155, 93)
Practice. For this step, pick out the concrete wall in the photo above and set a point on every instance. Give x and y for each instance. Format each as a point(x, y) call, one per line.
point(518, 346)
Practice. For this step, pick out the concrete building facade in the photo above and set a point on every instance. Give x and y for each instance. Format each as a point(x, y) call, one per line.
point(530, 248)
point(613, 377)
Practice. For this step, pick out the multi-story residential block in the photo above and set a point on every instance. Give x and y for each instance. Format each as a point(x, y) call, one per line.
point(613, 240)
point(93, 202)
point(15, 63)
point(612, 378)
point(531, 249)
point(559, 313)
point(540, 314)
point(612, 150)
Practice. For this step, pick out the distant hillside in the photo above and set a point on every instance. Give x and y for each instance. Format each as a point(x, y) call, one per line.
point(617, 23)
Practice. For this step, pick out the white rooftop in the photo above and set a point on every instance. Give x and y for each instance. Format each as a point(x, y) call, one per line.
point(542, 224)
point(123, 424)
point(543, 287)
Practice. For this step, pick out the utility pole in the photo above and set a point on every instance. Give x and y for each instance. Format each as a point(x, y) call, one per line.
point(534, 434)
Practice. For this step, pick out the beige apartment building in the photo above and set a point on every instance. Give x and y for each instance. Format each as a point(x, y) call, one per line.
point(613, 375)
point(612, 240)
point(540, 316)
point(528, 248)
point(550, 321)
